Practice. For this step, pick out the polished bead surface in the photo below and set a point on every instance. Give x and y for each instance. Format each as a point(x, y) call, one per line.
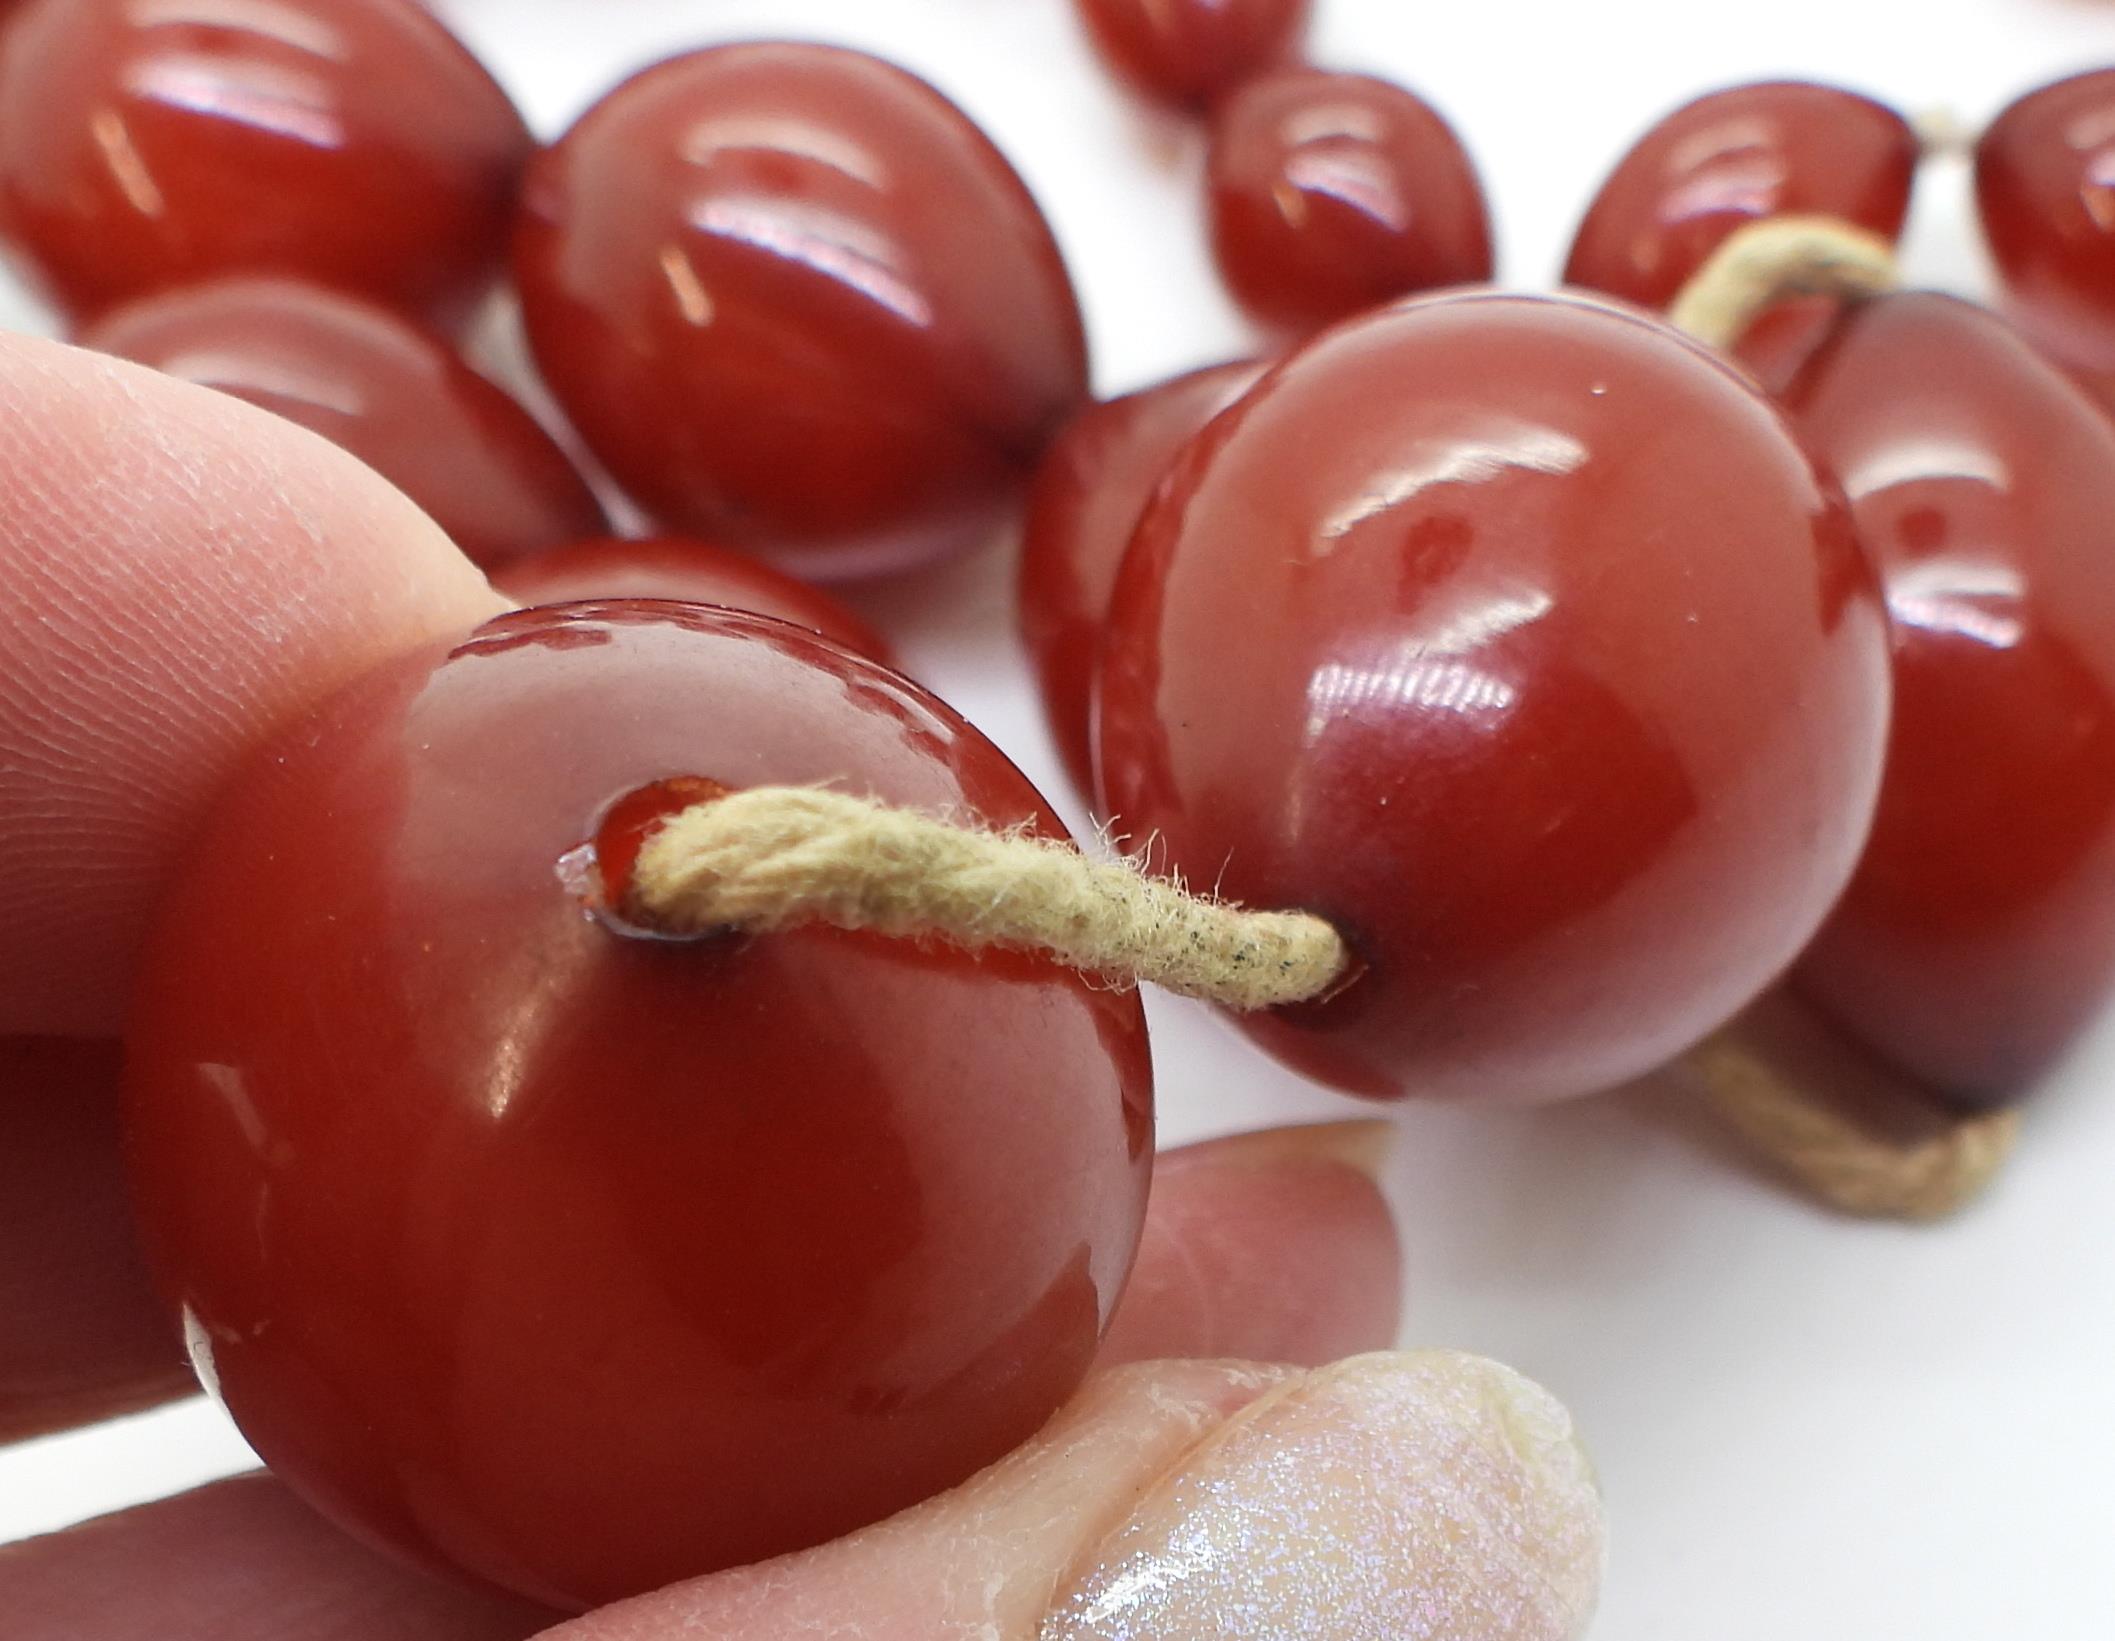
point(694, 572)
point(151, 143)
point(394, 394)
point(797, 302)
point(1519, 638)
point(1731, 158)
point(579, 1261)
point(1335, 192)
point(2045, 187)
point(1186, 52)
point(1084, 504)
point(1978, 938)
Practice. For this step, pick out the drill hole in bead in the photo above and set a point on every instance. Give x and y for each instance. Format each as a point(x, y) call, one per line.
point(602, 872)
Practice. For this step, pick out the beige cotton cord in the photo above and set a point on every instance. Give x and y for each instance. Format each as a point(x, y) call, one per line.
point(1775, 258)
point(1841, 1161)
point(1797, 1128)
point(776, 857)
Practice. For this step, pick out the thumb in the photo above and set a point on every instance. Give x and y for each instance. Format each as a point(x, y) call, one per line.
point(1425, 1493)
point(180, 573)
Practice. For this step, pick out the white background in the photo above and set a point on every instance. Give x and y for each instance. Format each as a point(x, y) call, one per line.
point(1806, 1427)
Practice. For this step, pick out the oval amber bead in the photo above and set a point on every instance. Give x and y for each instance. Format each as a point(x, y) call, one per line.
point(397, 396)
point(2045, 187)
point(1335, 192)
point(1084, 504)
point(1731, 158)
point(798, 303)
point(1186, 52)
point(1978, 938)
point(351, 142)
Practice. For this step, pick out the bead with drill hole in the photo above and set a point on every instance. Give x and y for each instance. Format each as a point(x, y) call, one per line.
point(1519, 638)
point(576, 1261)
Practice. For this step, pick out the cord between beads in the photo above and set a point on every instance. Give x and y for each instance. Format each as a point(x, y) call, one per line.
point(1778, 257)
point(778, 857)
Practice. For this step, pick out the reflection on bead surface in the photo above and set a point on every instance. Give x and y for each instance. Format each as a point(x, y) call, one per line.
point(1978, 937)
point(1728, 159)
point(1186, 52)
point(396, 396)
point(2045, 185)
point(695, 572)
point(581, 1262)
point(797, 302)
point(1081, 512)
point(1519, 638)
point(353, 142)
point(1334, 192)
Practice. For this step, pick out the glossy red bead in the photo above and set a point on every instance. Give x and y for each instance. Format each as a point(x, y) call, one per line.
point(2045, 187)
point(578, 1261)
point(695, 572)
point(1734, 157)
point(1186, 52)
point(354, 142)
point(1518, 637)
point(1978, 937)
point(1335, 192)
point(797, 302)
point(1084, 504)
point(394, 394)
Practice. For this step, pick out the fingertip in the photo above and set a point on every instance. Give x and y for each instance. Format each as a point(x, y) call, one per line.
point(1274, 1246)
point(241, 1560)
point(185, 573)
point(1396, 1493)
point(1402, 1492)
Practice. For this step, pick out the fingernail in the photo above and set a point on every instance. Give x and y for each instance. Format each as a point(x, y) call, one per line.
point(1362, 1145)
point(1401, 1494)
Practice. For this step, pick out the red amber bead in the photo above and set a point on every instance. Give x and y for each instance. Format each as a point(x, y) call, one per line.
point(1334, 192)
point(354, 142)
point(2045, 185)
point(580, 1261)
point(1084, 504)
point(1186, 52)
point(393, 394)
point(1978, 937)
point(1732, 158)
point(1518, 637)
point(797, 302)
point(694, 572)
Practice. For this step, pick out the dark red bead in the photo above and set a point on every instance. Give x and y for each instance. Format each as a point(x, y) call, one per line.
point(2045, 185)
point(1978, 938)
point(1086, 500)
point(1335, 192)
point(695, 572)
point(353, 142)
point(1186, 52)
point(797, 302)
point(581, 1261)
point(1734, 157)
point(395, 395)
point(1518, 637)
